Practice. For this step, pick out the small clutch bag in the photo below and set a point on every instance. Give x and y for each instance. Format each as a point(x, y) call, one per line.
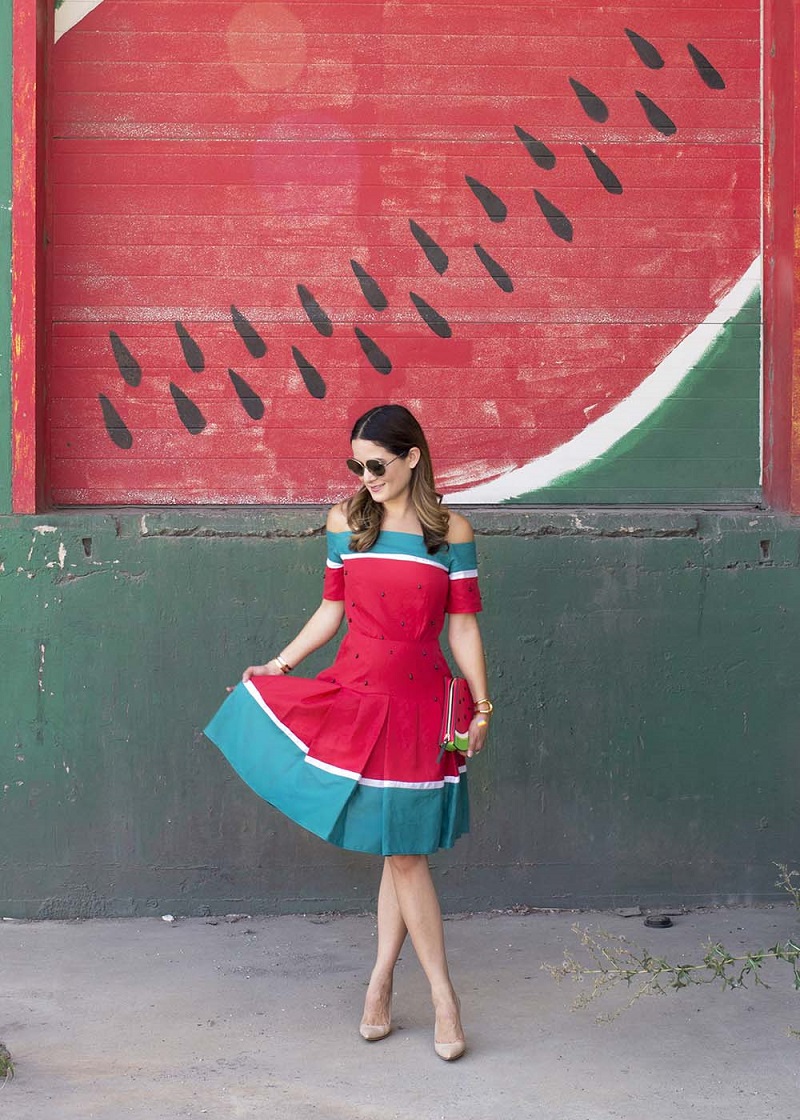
point(459, 708)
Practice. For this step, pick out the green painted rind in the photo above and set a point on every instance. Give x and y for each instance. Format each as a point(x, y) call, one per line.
point(333, 807)
point(5, 257)
point(643, 747)
point(701, 446)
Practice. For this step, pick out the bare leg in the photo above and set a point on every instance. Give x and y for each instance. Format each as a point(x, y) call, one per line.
point(391, 935)
point(419, 907)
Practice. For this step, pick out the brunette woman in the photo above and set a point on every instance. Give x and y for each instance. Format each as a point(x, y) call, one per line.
point(355, 754)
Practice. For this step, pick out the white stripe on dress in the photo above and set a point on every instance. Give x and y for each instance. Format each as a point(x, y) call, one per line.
point(393, 556)
point(471, 574)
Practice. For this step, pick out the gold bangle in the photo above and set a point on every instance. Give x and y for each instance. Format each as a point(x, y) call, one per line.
point(284, 666)
point(487, 711)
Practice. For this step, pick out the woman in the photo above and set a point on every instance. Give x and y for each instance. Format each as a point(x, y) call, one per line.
point(354, 754)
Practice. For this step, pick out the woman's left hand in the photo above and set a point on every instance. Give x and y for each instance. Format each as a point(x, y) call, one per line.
point(478, 730)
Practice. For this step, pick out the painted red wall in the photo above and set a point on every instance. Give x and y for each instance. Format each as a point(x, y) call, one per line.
point(583, 183)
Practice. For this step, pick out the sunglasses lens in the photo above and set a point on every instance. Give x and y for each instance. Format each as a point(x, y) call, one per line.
point(376, 467)
point(355, 467)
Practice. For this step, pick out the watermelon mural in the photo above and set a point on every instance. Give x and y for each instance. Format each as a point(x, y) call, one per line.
point(536, 225)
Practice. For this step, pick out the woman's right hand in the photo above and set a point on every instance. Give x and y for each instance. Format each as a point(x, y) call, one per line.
point(270, 669)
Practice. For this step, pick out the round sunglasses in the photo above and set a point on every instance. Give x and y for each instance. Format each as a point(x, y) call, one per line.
point(376, 467)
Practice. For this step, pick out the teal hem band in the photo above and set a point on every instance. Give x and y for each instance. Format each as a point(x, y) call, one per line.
point(383, 820)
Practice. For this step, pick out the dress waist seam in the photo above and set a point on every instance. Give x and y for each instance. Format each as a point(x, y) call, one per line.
point(432, 643)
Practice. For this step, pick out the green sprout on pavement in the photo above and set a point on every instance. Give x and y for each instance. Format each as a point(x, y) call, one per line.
point(6, 1065)
point(613, 961)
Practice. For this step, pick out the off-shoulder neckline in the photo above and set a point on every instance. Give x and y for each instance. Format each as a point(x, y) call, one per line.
point(396, 532)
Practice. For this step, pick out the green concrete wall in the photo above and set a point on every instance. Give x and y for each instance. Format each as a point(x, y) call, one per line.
point(644, 666)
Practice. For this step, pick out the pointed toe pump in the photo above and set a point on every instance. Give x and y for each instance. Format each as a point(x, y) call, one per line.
point(450, 1051)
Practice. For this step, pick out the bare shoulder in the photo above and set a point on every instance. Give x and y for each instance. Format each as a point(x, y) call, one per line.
point(337, 518)
point(459, 531)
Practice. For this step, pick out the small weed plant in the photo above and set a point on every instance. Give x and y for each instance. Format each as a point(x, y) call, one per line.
point(614, 962)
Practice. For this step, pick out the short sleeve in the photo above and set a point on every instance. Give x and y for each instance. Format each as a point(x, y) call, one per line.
point(463, 596)
point(333, 582)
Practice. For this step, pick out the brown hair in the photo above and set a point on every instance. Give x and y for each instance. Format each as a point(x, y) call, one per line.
point(397, 430)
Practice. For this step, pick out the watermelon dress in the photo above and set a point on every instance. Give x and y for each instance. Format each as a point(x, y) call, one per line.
point(353, 754)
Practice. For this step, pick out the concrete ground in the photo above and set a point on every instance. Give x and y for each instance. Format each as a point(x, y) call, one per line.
point(257, 1017)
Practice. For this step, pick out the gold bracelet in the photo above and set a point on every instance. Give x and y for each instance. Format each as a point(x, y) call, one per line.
point(487, 711)
point(284, 666)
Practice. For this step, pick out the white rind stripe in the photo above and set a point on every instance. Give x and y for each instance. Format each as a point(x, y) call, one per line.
point(70, 13)
point(338, 770)
point(333, 564)
point(259, 699)
point(392, 556)
point(331, 769)
point(599, 437)
point(471, 574)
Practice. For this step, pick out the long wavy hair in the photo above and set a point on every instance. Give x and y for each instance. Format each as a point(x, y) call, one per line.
point(397, 430)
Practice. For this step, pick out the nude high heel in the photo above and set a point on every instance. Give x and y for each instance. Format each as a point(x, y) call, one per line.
point(450, 1051)
point(372, 1033)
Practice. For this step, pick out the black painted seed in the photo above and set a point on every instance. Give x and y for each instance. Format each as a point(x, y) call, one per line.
point(411, 676)
point(437, 323)
point(603, 172)
point(593, 106)
point(557, 220)
point(313, 381)
point(315, 313)
point(645, 50)
point(255, 344)
point(190, 415)
point(250, 401)
point(432, 249)
point(539, 152)
point(710, 75)
point(495, 270)
point(115, 426)
point(370, 288)
point(656, 116)
point(191, 351)
point(495, 208)
point(375, 356)
point(129, 368)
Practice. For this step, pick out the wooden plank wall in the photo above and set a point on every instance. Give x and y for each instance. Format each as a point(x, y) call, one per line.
point(269, 217)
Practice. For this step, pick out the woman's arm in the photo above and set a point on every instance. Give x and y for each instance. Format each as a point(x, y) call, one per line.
point(320, 628)
point(464, 638)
